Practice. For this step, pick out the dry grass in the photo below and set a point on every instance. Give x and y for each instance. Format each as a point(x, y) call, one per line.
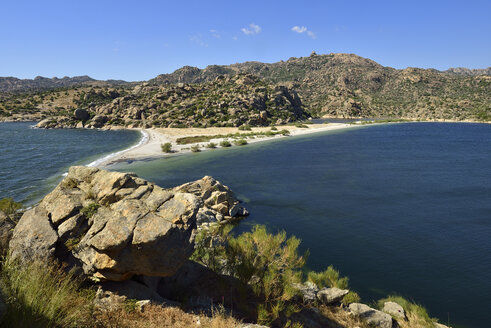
point(342, 317)
point(43, 296)
point(155, 316)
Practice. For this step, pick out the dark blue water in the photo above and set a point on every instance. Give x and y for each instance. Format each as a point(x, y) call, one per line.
point(400, 208)
point(33, 160)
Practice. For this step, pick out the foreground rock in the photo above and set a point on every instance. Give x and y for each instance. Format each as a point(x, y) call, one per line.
point(394, 310)
point(116, 225)
point(331, 295)
point(371, 316)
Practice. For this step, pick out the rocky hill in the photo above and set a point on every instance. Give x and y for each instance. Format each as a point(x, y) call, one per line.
point(346, 85)
point(339, 85)
point(466, 71)
point(242, 99)
point(13, 84)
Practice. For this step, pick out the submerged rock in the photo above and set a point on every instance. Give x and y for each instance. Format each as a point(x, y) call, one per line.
point(116, 225)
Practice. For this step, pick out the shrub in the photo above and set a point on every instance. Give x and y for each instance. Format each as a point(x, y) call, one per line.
point(270, 264)
point(273, 128)
point(351, 297)
point(69, 183)
point(300, 125)
point(195, 148)
point(211, 145)
point(417, 315)
point(40, 295)
point(167, 147)
point(328, 278)
point(245, 127)
point(225, 143)
point(9, 206)
point(89, 210)
point(284, 132)
point(240, 142)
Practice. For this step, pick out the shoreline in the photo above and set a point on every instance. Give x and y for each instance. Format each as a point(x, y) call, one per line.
point(151, 147)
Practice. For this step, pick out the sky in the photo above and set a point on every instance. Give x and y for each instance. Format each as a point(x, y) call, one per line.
point(137, 40)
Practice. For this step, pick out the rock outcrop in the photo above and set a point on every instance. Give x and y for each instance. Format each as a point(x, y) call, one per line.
point(394, 310)
point(331, 295)
point(371, 316)
point(116, 225)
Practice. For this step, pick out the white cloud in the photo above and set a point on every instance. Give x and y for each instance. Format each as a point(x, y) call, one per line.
point(252, 29)
point(303, 29)
point(299, 29)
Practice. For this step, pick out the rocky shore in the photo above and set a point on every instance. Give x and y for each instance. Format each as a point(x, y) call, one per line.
point(132, 240)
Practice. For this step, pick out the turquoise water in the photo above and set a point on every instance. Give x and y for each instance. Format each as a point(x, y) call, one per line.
point(32, 161)
point(400, 208)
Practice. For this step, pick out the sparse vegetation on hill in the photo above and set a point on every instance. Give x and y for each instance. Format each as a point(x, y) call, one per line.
point(346, 85)
point(254, 93)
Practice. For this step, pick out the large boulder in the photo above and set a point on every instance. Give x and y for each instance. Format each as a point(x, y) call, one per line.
point(331, 295)
point(113, 225)
point(371, 316)
point(81, 114)
point(394, 310)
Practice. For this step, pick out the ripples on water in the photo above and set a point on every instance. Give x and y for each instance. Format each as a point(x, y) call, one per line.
point(33, 160)
point(401, 208)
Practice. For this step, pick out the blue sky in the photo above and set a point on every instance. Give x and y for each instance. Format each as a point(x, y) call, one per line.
point(137, 40)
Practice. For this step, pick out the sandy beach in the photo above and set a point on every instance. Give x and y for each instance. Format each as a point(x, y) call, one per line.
point(152, 139)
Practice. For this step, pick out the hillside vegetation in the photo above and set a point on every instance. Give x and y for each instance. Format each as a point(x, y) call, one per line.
point(254, 93)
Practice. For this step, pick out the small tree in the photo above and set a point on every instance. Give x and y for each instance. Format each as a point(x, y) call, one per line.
point(167, 147)
point(270, 265)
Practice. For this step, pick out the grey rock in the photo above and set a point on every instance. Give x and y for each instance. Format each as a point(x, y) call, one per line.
point(115, 225)
point(34, 237)
point(331, 295)
point(394, 310)
point(371, 316)
point(81, 114)
point(6, 230)
point(308, 291)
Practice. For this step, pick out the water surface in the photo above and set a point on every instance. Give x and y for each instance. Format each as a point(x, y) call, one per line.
point(399, 208)
point(32, 161)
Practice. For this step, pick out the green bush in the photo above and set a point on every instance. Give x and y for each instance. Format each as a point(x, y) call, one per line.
point(416, 313)
point(284, 132)
point(245, 127)
point(240, 142)
point(225, 143)
point(273, 128)
point(269, 263)
point(167, 147)
point(351, 297)
point(9, 206)
point(89, 210)
point(195, 148)
point(41, 295)
point(211, 145)
point(328, 278)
